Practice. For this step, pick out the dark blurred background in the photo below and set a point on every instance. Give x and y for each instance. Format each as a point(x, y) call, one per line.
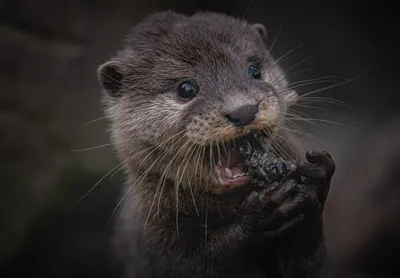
point(49, 54)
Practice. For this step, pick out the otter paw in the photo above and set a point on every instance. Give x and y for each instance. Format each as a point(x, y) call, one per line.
point(318, 171)
point(277, 208)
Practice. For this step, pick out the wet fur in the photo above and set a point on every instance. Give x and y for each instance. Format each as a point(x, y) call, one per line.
point(175, 221)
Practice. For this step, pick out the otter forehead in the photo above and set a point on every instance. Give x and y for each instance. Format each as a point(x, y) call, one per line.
point(173, 45)
point(175, 35)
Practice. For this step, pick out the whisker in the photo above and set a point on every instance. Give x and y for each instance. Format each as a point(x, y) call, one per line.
point(198, 164)
point(144, 174)
point(160, 181)
point(93, 187)
point(203, 152)
point(247, 9)
point(308, 135)
point(329, 87)
point(329, 78)
point(311, 120)
point(86, 124)
point(301, 84)
point(96, 147)
point(164, 173)
point(91, 148)
point(296, 114)
point(297, 72)
point(211, 156)
point(292, 67)
point(325, 100)
point(314, 108)
point(276, 37)
point(282, 152)
point(206, 223)
point(140, 177)
point(287, 54)
point(188, 155)
point(117, 206)
point(159, 145)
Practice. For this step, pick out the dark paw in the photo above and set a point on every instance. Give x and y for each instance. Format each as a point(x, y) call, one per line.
point(318, 172)
point(277, 208)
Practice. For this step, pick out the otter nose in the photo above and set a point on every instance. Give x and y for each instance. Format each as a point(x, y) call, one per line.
point(242, 116)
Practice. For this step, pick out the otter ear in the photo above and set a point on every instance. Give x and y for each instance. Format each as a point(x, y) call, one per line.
point(260, 30)
point(110, 75)
point(291, 97)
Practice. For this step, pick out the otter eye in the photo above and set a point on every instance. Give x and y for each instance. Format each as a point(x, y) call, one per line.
point(254, 72)
point(187, 90)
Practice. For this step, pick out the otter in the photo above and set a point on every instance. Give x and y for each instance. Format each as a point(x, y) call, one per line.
point(179, 94)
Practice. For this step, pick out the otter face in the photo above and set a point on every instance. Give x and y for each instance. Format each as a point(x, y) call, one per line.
point(186, 88)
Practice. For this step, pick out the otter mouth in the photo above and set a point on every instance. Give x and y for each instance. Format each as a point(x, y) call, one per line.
point(230, 168)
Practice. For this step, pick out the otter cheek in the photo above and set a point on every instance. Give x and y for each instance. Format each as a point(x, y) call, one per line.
point(290, 98)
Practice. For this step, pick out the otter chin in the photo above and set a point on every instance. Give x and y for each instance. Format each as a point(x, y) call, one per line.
point(184, 96)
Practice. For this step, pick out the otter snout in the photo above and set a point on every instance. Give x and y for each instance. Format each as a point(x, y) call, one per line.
point(242, 116)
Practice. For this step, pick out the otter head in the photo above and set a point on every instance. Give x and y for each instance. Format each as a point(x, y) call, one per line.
point(182, 89)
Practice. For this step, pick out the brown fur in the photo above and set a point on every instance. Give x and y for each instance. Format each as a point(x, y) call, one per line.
point(176, 220)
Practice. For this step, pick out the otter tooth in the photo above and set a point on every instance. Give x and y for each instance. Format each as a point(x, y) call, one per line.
point(228, 173)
